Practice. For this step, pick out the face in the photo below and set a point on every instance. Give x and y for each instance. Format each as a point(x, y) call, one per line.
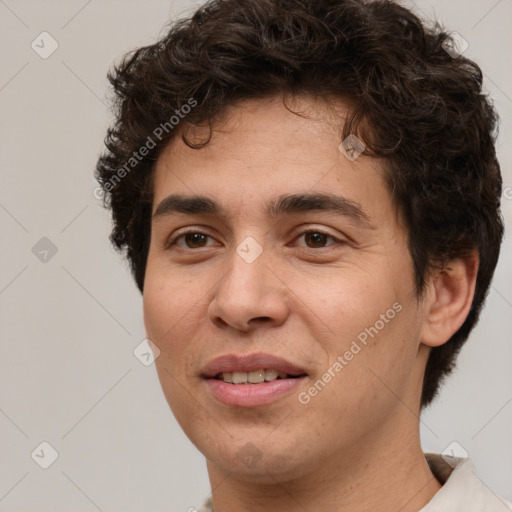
point(274, 255)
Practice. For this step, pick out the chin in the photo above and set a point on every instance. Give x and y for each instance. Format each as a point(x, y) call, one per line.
point(256, 461)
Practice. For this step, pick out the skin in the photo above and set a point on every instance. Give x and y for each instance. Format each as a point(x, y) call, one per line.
point(355, 445)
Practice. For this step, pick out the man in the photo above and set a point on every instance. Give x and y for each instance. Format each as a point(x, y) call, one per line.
point(308, 194)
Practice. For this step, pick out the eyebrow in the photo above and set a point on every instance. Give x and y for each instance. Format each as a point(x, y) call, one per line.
point(281, 205)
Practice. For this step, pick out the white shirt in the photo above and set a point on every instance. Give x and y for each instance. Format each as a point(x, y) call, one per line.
point(461, 491)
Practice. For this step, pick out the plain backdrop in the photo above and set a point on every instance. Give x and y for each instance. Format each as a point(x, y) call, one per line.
point(71, 315)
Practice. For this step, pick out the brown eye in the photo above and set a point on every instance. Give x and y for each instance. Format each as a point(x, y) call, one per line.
point(190, 240)
point(315, 239)
point(194, 240)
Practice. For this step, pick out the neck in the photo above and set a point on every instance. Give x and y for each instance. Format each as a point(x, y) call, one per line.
point(398, 478)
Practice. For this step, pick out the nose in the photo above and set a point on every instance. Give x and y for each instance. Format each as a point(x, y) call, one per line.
point(249, 295)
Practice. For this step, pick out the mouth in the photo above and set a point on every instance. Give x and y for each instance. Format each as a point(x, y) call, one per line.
point(251, 380)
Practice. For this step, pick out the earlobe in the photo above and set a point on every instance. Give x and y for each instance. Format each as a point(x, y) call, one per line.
point(449, 299)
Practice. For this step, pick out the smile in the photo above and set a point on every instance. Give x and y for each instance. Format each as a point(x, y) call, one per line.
point(251, 380)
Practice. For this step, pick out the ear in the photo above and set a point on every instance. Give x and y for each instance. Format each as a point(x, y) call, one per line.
point(448, 299)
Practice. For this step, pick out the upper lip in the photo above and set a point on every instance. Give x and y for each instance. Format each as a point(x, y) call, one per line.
point(249, 363)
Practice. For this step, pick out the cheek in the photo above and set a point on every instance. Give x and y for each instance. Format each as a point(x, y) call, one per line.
point(346, 305)
point(170, 307)
point(169, 323)
point(168, 296)
point(377, 361)
point(156, 305)
point(371, 322)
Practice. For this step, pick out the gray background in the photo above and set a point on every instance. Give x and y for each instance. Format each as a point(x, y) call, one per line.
point(69, 324)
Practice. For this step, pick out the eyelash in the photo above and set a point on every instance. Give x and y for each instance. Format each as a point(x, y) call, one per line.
point(173, 241)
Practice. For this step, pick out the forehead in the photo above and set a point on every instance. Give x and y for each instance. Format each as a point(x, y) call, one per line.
point(260, 152)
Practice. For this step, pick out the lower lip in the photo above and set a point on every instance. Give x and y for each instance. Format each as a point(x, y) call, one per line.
point(251, 395)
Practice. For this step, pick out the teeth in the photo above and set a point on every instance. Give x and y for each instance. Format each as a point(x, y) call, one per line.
point(239, 378)
point(256, 377)
point(271, 375)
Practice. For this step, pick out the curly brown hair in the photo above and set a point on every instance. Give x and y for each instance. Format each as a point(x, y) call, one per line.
point(423, 108)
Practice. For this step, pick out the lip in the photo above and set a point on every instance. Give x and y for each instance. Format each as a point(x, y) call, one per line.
point(251, 395)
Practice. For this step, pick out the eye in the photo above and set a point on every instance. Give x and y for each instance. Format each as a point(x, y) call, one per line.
point(315, 239)
point(190, 240)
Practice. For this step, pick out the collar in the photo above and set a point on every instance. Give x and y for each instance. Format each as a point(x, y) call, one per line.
point(462, 489)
